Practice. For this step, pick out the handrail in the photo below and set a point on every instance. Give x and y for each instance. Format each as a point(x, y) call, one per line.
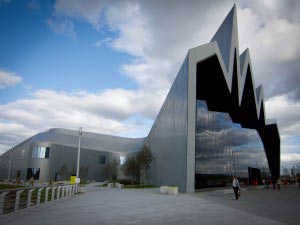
point(12, 200)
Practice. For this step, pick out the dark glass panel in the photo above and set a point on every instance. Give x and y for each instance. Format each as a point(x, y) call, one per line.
point(224, 149)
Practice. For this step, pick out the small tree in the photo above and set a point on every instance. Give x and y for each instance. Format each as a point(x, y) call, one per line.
point(144, 158)
point(63, 171)
point(111, 170)
point(83, 173)
point(131, 168)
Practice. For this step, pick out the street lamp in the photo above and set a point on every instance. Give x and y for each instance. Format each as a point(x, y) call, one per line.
point(10, 162)
point(78, 156)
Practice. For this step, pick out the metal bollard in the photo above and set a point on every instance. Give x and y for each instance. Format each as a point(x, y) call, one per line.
point(46, 195)
point(70, 190)
point(39, 196)
point(53, 193)
point(67, 191)
point(29, 197)
point(2, 198)
point(58, 192)
point(63, 192)
point(18, 199)
point(73, 189)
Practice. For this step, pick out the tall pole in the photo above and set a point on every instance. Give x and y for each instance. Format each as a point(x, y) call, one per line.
point(10, 161)
point(78, 153)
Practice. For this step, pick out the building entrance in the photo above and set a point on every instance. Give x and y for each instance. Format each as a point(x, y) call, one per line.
point(254, 176)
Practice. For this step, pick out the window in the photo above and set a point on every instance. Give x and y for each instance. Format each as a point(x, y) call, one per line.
point(122, 160)
point(41, 152)
point(101, 159)
point(23, 154)
point(33, 172)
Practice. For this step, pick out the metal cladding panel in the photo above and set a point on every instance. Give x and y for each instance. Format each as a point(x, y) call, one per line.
point(168, 136)
point(65, 155)
point(89, 140)
point(213, 72)
point(63, 145)
point(19, 162)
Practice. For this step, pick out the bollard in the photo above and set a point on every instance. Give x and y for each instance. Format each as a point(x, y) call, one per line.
point(62, 191)
point(46, 195)
point(29, 197)
point(58, 192)
point(73, 190)
point(39, 196)
point(17, 202)
point(67, 191)
point(53, 193)
point(2, 200)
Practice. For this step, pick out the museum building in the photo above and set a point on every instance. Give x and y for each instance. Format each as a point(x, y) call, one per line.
point(211, 126)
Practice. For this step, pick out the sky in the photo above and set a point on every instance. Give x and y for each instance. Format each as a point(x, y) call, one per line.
point(108, 65)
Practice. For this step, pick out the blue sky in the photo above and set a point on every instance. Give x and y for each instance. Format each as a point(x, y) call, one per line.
point(46, 60)
point(108, 65)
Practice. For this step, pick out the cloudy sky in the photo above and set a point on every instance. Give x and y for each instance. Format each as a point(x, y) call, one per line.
point(108, 65)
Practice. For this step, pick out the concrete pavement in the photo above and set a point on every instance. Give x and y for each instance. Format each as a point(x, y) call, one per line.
point(118, 206)
point(281, 205)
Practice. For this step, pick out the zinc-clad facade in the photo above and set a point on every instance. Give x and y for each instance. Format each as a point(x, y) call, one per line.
point(214, 83)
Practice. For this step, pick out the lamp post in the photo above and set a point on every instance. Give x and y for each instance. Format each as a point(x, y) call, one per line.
point(78, 155)
point(10, 162)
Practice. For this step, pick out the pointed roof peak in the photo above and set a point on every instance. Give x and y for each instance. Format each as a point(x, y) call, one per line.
point(226, 33)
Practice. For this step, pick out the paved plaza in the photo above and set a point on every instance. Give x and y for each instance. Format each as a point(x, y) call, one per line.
point(119, 206)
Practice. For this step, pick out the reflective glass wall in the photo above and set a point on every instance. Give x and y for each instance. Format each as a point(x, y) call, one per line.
point(224, 149)
point(41, 152)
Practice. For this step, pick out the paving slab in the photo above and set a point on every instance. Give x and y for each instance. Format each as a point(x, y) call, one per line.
point(120, 206)
point(281, 205)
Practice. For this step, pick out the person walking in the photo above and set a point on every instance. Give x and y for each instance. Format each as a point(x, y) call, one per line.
point(236, 187)
point(31, 181)
point(299, 181)
point(278, 183)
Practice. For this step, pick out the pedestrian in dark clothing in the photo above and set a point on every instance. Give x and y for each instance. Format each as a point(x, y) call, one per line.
point(236, 187)
point(274, 183)
point(299, 181)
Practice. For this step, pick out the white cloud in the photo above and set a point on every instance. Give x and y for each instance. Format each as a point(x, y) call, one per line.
point(286, 111)
point(62, 27)
point(77, 9)
point(157, 35)
point(107, 112)
point(8, 79)
point(290, 157)
point(105, 41)
point(97, 44)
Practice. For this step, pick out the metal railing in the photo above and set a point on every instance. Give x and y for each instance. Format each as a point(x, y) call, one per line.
point(12, 200)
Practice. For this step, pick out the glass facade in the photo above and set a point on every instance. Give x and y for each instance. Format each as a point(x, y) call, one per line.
point(224, 149)
point(33, 172)
point(101, 159)
point(122, 160)
point(41, 152)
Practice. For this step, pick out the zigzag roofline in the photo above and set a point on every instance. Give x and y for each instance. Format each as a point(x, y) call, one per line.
point(227, 35)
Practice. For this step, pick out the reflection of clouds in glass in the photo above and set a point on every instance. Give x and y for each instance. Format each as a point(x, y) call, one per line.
point(224, 147)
